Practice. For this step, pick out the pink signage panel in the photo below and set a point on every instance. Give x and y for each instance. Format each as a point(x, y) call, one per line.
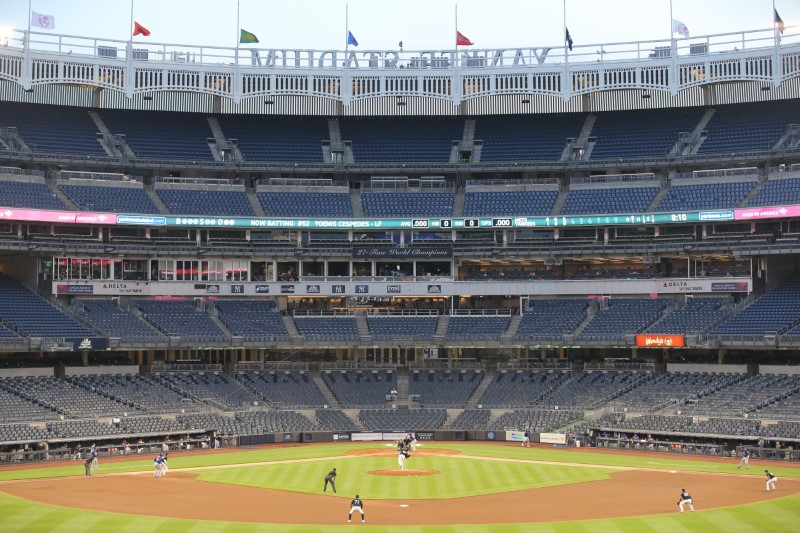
point(59, 217)
point(781, 211)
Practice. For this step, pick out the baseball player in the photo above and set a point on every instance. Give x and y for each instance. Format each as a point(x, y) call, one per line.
point(93, 455)
point(157, 464)
point(401, 458)
point(356, 505)
point(771, 479)
point(330, 478)
point(745, 460)
point(164, 466)
point(412, 442)
point(686, 498)
point(87, 465)
point(526, 437)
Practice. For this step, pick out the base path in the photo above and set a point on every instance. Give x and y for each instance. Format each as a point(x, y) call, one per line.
point(181, 495)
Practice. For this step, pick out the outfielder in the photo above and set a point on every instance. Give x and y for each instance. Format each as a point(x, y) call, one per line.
point(526, 437)
point(356, 505)
point(771, 479)
point(745, 460)
point(686, 498)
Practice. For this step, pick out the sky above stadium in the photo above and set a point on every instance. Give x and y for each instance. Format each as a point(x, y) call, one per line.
point(381, 25)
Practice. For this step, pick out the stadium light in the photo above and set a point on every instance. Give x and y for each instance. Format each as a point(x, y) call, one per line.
point(646, 95)
point(268, 102)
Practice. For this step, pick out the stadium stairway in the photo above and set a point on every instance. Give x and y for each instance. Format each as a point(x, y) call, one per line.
point(563, 192)
point(513, 325)
point(363, 330)
point(355, 202)
point(458, 202)
point(402, 388)
point(477, 394)
point(51, 184)
point(441, 329)
point(660, 196)
point(291, 328)
point(330, 399)
point(162, 208)
point(762, 180)
point(255, 204)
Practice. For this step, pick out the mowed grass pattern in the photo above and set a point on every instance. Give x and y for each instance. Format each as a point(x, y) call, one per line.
point(457, 477)
point(779, 515)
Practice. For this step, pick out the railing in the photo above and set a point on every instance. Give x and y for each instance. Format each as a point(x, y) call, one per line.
point(616, 178)
point(16, 171)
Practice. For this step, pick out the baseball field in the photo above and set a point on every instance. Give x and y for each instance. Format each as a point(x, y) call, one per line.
point(444, 486)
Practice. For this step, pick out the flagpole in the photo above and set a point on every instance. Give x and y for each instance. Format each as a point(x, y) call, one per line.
point(456, 21)
point(671, 33)
point(30, 14)
point(238, 8)
point(564, 20)
point(566, 88)
point(346, 29)
point(130, 28)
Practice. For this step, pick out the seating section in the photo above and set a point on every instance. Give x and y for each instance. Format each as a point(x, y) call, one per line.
point(407, 204)
point(17, 408)
point(674, 388)
point(704, 196)
point(276, 138)
point(109, 198)
point(108, 318)
point(215, 388)
point(749, 127)
point(510, 203)
point(310, 204)
point(215, 202)
point(695, 317)
point(521, 388)
point(540, 137)
point(31, 195)
point(53, 129)
point(550, 319)
point(180, 318)
point(24, 312)
point(639, 133)
point(253, 320)
point(283, 388)
point(589, 389)
point(162, 134)
point(744, 396)
point(403, 419)
point(357, 388)
point(67, 397)
point(623, 316)
point(444, 388)
point(471, 419)
point(599, 201)
point(22, 433)
point(401, 139)
point(539, 421)
point(774, 312)
point(385, 328)
point(255, 423)
point(335, 420)
point(777, 192)
point(325, 328)
point(477, 327)
point(146, 394)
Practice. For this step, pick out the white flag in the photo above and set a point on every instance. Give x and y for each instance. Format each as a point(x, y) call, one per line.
point(679, 28)
point(46, 22)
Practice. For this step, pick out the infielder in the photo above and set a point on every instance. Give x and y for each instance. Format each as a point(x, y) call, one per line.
point(745, 459)
point(356, 505)
point(412, 442)
point(771, 479)
point(330, 478)
point(686, 498)
point(164, 466)
point(87, 464)
point(157, 464)
point(93, 455)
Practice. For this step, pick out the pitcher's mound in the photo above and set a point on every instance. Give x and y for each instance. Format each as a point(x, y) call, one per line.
point(405, 473)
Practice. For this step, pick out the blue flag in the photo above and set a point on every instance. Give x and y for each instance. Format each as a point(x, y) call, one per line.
point(568, 38)
point(351, 39)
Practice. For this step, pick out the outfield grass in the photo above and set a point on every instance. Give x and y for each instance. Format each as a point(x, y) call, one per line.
point(778, 515)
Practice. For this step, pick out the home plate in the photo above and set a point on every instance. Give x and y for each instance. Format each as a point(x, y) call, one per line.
point(673, 471)
point(404, 505)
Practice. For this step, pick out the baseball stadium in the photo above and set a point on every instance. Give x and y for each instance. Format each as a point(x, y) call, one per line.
point(540, 289)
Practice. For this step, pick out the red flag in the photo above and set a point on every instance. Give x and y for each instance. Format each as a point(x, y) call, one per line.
point(138, 29)
point(461, 40)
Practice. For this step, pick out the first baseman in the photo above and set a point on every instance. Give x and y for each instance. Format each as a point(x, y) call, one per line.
point(356, 505)
point(745, 459)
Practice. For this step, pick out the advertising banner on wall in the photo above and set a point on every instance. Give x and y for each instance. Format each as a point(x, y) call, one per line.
point(515, 436)
point(363, 437)
point(553, 438)
point(660, 341)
